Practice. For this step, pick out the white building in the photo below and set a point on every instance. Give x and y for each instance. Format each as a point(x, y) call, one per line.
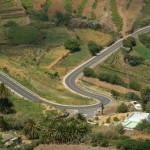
point(135, 118)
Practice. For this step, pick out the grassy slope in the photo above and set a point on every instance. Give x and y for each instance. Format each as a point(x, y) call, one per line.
point(31, 65)
point(115, 65)
point(144, 17)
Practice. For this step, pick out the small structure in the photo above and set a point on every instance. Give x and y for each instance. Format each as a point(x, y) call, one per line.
point(11, 140)
point(135, 118)
point(136, 105)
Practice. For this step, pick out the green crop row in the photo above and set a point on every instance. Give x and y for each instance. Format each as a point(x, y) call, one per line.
point(95, 4)
point(128, 4)
point(115, 15)
point(81, 7)
point(68, 6)
point(7, 3)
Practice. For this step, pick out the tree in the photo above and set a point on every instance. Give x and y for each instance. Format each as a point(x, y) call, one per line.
point(58, 17)
point(3, 124)
point(94, 48)
point(6, 106)
point(145, 95)
point(122, 108)
point(4, 92)
point(129, 42)
point(31, 129)
point(72, 44)
point(89, 72)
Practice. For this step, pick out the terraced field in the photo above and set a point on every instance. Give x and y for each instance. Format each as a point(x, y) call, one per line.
point(12, 10)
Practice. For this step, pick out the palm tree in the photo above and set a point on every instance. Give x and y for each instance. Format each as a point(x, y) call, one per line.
point(31, 129)
point(4, 92)
point(47, 133)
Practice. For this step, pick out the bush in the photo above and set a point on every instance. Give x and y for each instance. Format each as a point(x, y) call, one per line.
point(145, 39)
point(129, 42)
point(111, 78)
point(108, 120)
point(143, 126)
point(132, 96)
point(148, 107)
point(94, 48)
point(135, 86)
point(61, 19)
point(10, 24)
point(24, 35)
point(131, 144)
point(122, 108)
point(72, 45)
point(134, 60)
point(115, 93)
point(99, 140)
point(116, 119)
point(89, 72)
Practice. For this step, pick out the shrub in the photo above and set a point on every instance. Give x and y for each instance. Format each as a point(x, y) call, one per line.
point(115, 93)
point(132, 96)
point(111, 78)
point(61, 19)
point(116, 119)
point(10, 24)
point(72, 45)
point(135, 86)
point(99, 140)
point(122, 108)
point(24, 35)
point(129, 42)
point(108, 120)
point(131, 144)
point(143, 126)
point(145, 39)
point(94, 48)
point(148, 107)
point(89, 72)
point(134, 60)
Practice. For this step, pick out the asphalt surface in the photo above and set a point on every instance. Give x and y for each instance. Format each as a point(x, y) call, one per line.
point(70, 83)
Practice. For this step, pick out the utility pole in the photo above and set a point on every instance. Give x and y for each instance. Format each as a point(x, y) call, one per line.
point(128, 78)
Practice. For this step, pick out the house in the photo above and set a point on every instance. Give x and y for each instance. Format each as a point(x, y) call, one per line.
point(11, 140)
point(135, 118)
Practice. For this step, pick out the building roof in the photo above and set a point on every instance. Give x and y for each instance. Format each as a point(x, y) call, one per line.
point(135, 118)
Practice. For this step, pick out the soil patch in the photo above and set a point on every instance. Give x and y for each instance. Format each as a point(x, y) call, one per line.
point(109, 86)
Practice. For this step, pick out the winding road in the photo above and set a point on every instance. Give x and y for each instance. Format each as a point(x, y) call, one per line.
point(70, 82)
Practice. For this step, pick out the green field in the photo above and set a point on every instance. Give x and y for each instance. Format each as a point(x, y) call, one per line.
point(143, 52)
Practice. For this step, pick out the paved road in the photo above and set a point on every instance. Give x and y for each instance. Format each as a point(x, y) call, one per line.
point(69, 82)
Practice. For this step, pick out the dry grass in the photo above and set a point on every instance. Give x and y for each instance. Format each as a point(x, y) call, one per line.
point(91, 35)
point(120, 116)
point(70, 147)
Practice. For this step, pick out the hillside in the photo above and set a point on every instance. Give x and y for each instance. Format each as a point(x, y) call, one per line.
point(118, 15)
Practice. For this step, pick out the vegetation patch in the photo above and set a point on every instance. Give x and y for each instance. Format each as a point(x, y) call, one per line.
point(115, 15)
point(81, 7)
point(68, 7)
